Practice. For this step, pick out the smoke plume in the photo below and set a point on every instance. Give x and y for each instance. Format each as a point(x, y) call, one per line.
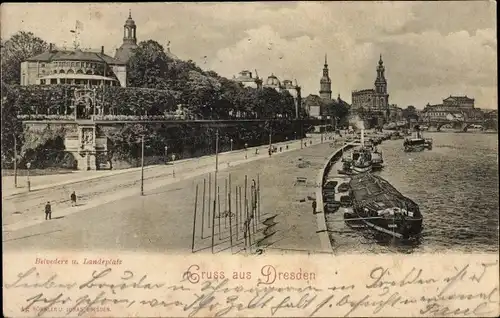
point(355, 121)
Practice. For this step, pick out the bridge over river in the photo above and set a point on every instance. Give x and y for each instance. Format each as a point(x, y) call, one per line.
point(463, 125)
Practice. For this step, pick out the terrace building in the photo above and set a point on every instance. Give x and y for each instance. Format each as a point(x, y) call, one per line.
point(82, 67)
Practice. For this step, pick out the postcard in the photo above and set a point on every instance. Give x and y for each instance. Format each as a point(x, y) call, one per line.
point(250, 159)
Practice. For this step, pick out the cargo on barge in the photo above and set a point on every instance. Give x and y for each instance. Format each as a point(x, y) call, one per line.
point(383, 208)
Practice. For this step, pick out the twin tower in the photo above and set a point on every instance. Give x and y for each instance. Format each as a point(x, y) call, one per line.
point(325, 90)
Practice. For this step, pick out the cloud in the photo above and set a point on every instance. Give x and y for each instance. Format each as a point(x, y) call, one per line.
point(430, 49)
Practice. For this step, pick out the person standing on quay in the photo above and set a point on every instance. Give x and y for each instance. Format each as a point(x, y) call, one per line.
point(48, 211)
point(73, 199)
point(314, 206)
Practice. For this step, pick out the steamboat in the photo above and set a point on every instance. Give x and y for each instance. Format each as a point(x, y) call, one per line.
point(418, 142)
point(361, 160)
point(377, 160)
point(381, 207)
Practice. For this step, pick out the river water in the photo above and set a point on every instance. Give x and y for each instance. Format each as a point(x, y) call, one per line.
point(456, 187)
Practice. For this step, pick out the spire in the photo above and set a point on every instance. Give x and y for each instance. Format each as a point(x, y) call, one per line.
point(129, 14)
point(325, 90)
point(380, 62)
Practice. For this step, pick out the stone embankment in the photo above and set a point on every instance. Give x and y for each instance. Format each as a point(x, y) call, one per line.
point(321, 180)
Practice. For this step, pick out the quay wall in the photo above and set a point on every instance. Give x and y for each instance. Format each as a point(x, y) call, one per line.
point(321, 179)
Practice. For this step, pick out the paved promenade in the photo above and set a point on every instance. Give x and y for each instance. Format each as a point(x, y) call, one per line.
point(19, 208)
point(162, 219)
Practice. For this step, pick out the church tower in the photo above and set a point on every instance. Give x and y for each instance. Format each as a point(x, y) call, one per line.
point(325, 90)
point(129, 40)
point(381, 97)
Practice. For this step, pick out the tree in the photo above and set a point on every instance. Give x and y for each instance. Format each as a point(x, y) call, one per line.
point(202, 94)
point(16, 50)
point(148, 66)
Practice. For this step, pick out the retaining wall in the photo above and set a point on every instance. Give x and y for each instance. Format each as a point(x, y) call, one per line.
point(322, 177)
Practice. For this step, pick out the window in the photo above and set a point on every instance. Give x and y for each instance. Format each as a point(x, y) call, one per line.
point(42, 65)
point(42, 82)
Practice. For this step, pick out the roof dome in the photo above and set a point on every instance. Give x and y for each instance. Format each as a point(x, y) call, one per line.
point(272, 81)
point(130, 21)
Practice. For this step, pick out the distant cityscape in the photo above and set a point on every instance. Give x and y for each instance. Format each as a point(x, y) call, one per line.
point(95, 68)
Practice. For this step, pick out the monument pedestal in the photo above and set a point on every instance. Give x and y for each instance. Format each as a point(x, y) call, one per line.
point(87, 147)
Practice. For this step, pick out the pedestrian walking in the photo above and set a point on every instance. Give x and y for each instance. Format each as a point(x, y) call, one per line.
point(270, 151)
point(314, 206)
point(48, 211)
point(73, 199)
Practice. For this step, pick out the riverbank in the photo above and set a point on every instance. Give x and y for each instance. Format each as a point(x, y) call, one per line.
point(330, 173)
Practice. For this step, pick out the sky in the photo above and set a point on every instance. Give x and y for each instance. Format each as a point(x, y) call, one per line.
point(430, 49)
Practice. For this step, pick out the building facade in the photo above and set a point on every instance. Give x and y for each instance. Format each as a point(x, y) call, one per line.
point(452, 108)
point(325, 83)
point(373, 104)
point(373, 100)
point(247, 79)
point(73, 67)
point(79, 67)
point(363, 99)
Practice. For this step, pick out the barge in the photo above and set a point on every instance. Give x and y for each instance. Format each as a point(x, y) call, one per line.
point(381, 207)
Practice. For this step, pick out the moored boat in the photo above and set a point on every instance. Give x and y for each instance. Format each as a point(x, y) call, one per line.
point(428, 143)
point(383, 208)
point(377, 159)
point(414, 144)
point(362, 157)
point(417, 142)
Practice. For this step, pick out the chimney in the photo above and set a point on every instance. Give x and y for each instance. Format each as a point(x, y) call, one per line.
point(50, 47)
point(102, 49)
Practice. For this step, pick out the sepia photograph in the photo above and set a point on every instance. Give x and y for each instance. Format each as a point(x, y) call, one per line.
point(249, 129)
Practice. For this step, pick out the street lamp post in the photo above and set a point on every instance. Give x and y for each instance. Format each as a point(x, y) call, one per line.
point(166, 153)
point(142, 165)
point(173, 162)
point(246, 150)
point(231, 144)
point(15, 161)
point(28, 166)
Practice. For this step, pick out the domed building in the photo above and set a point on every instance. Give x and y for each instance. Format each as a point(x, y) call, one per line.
point(295, 91)
point(245, 77)
point(273, 82)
